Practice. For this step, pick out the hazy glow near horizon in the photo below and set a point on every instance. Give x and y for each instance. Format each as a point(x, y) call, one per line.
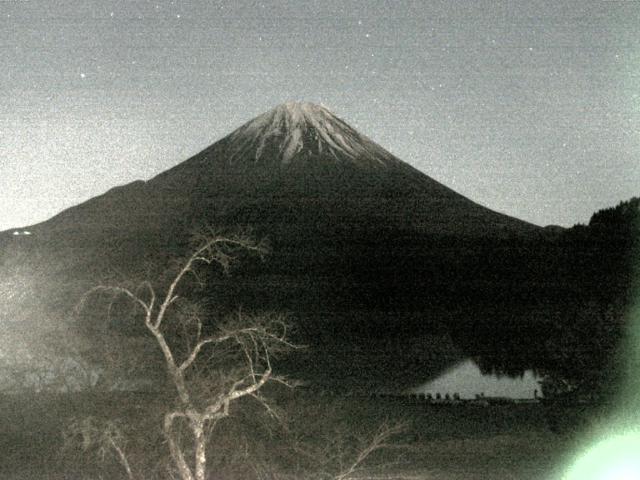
point(530, 108)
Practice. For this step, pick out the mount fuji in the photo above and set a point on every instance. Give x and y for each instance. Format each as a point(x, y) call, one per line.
point(300, 152)
point(368, 252)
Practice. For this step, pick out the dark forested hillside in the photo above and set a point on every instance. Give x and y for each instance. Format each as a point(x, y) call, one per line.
point(579, 328)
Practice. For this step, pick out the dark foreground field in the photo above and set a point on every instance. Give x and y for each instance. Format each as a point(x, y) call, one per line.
point(438, 442)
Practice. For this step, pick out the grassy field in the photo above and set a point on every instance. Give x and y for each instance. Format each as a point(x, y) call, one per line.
point(438, 443)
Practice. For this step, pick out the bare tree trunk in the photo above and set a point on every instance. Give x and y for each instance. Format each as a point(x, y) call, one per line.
point(201, 454)
point(174, 449)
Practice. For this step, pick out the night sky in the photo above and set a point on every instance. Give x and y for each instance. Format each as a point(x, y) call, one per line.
point(530, 108)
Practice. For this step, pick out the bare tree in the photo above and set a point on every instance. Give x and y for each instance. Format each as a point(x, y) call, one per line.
point(100, 437)
point(210, 369)
point(380, 439)
point(342, 438)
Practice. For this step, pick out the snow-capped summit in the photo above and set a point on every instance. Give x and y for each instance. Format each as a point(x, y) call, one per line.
point(297, 130)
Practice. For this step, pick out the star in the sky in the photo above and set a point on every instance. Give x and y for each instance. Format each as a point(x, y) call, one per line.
point(83, 75)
